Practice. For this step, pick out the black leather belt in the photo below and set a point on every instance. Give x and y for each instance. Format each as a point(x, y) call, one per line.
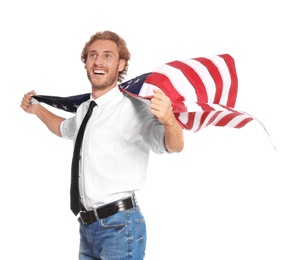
point(89, 217)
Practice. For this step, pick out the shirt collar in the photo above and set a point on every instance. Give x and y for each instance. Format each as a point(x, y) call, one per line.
point(107, 96)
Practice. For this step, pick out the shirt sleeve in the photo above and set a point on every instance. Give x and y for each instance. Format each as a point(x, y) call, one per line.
point(139, 124)
point(68, 128)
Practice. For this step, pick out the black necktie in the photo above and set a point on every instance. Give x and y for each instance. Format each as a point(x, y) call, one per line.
point(74, 188)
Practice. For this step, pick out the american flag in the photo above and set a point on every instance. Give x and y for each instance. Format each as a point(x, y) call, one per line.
point(202, 91)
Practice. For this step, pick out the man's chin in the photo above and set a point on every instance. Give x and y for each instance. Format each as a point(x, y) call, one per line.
point(96, 85)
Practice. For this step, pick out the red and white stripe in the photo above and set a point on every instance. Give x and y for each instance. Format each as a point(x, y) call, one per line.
point(202, 90)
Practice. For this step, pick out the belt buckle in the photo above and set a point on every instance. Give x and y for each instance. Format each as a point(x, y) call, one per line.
point(82, 215)
point(88, 215)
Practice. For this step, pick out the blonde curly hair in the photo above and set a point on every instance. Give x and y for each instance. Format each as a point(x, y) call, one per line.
point(122, 47)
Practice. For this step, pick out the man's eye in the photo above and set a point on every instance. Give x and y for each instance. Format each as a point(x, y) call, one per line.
point(92, 55)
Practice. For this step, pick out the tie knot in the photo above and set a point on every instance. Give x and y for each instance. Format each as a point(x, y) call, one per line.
point(92, 104)
point(90, 109)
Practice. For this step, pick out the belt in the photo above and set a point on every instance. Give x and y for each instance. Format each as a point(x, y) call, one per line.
point(89, 217)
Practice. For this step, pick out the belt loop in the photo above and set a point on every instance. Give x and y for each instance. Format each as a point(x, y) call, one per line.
point(134, 201)
point(96, 215)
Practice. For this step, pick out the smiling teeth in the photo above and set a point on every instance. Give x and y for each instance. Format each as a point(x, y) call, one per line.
point(98, 71)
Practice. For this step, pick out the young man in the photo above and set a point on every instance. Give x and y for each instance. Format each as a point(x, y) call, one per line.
point(114, 152)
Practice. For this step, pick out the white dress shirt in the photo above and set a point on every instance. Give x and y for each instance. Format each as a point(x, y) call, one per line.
point(116, 146)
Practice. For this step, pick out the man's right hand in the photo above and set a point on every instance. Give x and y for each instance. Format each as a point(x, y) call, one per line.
point(28, 102)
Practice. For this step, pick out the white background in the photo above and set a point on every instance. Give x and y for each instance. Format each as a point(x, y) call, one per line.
point(228, 195)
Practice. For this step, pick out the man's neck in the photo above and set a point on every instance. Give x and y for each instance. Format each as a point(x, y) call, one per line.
point(96, 92)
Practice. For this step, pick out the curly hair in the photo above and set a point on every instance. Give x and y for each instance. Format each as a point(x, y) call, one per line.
point(122, 48)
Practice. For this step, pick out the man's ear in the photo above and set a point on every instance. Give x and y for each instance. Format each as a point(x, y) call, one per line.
point(122, 64)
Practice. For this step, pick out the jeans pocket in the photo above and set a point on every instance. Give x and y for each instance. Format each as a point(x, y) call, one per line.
point(116, 221)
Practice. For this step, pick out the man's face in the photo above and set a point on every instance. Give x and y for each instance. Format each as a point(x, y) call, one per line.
point(103, 64)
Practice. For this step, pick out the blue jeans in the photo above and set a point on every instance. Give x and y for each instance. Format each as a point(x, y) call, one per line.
point(121, 236)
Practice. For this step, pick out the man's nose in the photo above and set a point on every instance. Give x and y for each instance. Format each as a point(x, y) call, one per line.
point(98, 60)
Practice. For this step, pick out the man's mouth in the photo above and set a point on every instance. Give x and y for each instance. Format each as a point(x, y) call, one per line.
point(99, 72)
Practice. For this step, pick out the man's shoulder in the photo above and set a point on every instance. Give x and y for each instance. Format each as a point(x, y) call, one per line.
point(136, 100)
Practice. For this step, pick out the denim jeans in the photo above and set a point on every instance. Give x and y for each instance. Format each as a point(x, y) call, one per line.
point(121, 236)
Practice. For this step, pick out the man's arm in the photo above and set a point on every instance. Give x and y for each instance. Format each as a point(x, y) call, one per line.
point(161, 108)
point(51, 120)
